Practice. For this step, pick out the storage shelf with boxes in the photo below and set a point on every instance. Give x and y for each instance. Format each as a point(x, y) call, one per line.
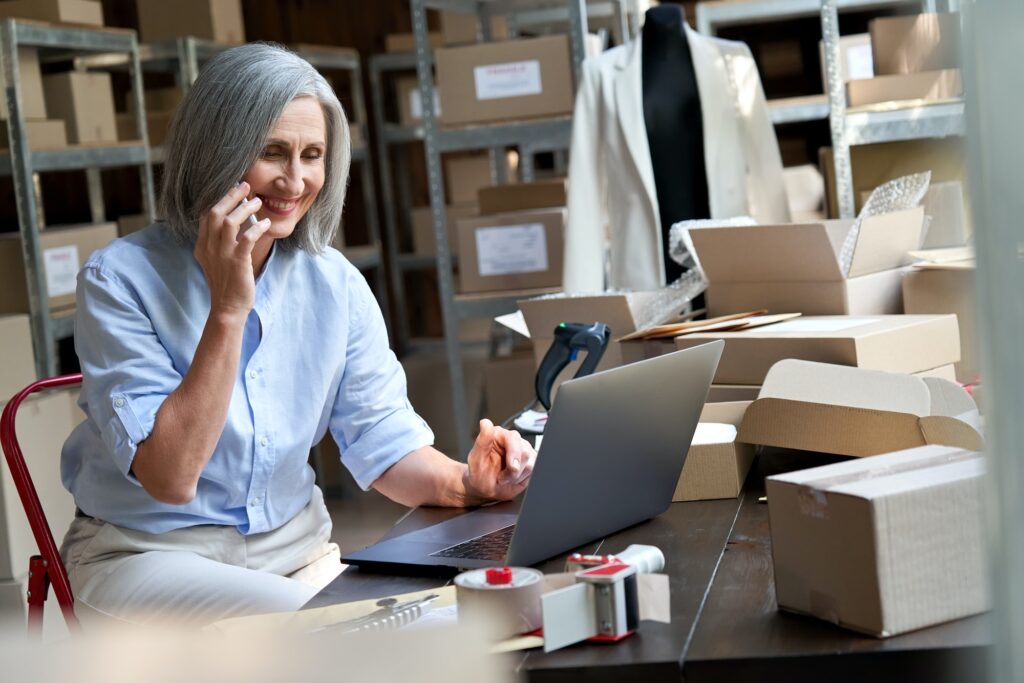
point(84, 103)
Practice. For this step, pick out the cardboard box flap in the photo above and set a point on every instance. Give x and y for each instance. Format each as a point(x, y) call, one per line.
point(827, 477)
point(949, 398)
point(839, 385)
point(798, 252)
point(730, 412)
point(885, 241)
point(621, 312)
point(950, 431)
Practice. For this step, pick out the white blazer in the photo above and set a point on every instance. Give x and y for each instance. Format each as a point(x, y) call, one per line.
point(611, 181)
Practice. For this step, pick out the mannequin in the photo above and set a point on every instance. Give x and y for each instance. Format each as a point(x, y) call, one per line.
point(675, 128)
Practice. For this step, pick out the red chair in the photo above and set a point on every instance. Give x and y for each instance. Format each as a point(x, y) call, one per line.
point(47, 567)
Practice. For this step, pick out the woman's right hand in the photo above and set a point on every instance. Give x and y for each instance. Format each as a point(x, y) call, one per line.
point(226, 256)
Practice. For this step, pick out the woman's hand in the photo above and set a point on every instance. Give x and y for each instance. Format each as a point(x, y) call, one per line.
point(226, 256)
point(500, 464)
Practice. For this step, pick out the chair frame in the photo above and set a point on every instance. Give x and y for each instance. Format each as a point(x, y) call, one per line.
point(46, 568)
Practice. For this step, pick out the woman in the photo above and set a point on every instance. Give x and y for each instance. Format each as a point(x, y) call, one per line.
point(217, 350)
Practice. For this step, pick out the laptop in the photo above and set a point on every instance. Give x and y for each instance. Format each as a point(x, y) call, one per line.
point(612, 452)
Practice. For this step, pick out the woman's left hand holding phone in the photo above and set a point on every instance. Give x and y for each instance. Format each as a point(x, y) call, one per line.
point(224, 249)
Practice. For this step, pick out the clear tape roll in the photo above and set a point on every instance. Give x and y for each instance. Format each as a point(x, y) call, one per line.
point(508, 609)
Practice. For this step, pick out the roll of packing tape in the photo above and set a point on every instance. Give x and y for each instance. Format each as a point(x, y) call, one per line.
point(507, 598)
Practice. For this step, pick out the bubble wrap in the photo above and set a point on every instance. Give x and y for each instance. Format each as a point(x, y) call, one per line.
point(896, 195)
point(681, 246)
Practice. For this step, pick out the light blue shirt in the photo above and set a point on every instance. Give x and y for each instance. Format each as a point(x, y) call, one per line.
point(314, 357)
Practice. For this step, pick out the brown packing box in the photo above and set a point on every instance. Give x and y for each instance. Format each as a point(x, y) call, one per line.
point(795, 267)
point(87, 12)
point(427, 377)
point(852, 411)
point(410, 104)
point(217, 20)
point(465, 175)
point(17, 364)
point(717, 464)
point(41, 134)
point(944, 204)
point(893, 343)
point(855, 60)
point(912, 44)
point(948, 290)
point(509, 251)
point(461, 29)
point(134, 222)
point(927, 85)
point(64, 250)
point(423, 242)
point(541, 194)
point(508, 385)
point(157, 99)
point(885, 545)
point(33, 102)
point(158, 124)
point(514, 79)
point(85, 100)
point(43, 423)
point(406, 42)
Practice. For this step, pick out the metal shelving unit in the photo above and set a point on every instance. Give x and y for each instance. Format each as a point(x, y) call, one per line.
point(528, 136)
point(892, 122)
point(22, 163)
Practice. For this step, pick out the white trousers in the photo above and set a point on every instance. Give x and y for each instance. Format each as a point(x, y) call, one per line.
point(200, 574)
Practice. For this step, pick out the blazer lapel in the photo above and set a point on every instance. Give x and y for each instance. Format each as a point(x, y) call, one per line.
point(630, 104)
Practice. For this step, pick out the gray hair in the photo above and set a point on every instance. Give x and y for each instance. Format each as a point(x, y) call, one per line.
point(221, 128)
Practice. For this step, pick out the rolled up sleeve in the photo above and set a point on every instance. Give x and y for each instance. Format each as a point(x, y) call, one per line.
point(372, 420)
point(127, 372)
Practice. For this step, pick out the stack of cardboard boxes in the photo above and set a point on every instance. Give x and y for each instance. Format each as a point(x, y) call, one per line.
point(42, 132)
point(219, 21)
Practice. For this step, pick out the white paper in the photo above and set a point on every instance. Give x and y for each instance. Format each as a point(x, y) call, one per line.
point(61, 266)
point(713, 432)
point(831, 325)
point(416, 104)
point(509, 249)
point(532, 421)
point(859, 62)
point(512, 79)
point(515, 322)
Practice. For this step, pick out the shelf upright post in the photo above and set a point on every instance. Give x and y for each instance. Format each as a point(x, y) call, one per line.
point(138, 101)
point(577, 38)
point(431, 144)
point(837, 109)
point(25, 199)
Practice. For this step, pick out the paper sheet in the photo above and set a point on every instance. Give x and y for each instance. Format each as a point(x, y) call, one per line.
point(713, 432)
point(515, 322)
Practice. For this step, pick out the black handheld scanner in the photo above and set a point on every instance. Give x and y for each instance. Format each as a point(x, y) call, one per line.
point(570, 339)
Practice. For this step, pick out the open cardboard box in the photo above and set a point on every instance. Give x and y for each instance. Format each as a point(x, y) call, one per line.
point(882, 545)
point(851, 411)
point(717, 463)
point(795, 267)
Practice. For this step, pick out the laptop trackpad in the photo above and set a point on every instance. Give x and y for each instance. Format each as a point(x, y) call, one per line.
point(475, 523)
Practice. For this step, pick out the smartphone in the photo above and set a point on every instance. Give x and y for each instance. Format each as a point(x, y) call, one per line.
point(250, 221)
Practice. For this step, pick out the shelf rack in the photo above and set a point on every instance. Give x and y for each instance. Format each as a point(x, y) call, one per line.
point(891, 122)
point(184, 57)
point(56, 42)
point(528, 136)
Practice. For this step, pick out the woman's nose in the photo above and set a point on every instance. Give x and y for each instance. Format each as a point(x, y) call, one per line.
point(290, 180)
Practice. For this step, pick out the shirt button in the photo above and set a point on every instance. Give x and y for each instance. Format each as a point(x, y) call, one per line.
point(119, 403)
point(253, 374)
point(264, 441)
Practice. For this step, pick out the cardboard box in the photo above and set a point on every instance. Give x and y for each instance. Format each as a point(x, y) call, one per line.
point(731, 393)
point(717, 464)
point(893, 343)
point(948, 290)
point(805, 192)
point(541, 194)
point(17, 364)
point(885, 545)
point(465, 175)
point(64, 250)
point(406, 42)
point(852, 411)
point(134, 222)
point(912, 44)
point(508, 385)
point(428, 378)
point(43, 423)
point(158, 124)
point(514, 79)
point(85, 100)
point(41, 134)
point(423, 242)
point(944, 204)
point(927, 85)
point(217, 20)
point(86, 12)
point(157, 99)
point(410, 104)
point(855, 58)
point(33, 102)
point(509, 251)
point(795, 268)
point(461, 29)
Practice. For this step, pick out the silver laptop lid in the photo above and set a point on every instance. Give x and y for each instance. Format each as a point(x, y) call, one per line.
point(613, 449)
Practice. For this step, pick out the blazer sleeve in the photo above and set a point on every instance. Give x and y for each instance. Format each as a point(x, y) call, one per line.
point(766, 189)
point(585, 234)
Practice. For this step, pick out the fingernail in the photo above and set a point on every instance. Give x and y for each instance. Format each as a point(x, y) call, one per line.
point(515, 463)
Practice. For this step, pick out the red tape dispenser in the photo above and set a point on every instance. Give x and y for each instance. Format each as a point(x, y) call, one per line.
point(602, 605)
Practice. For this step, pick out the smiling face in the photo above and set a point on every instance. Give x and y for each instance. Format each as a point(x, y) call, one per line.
point(290, 171)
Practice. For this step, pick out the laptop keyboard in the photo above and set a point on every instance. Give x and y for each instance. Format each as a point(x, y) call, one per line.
point(492, 546)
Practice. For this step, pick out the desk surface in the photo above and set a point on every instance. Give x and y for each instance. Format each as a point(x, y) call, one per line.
point(725, 625)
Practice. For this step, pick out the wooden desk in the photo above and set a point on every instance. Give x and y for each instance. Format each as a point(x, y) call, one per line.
point(725, 625)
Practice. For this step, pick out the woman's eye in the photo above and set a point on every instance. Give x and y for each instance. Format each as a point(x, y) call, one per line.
point(313, 155)
point(271, 154)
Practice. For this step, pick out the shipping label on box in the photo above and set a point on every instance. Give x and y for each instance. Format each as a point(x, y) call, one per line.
point(509, 249)
point(61, 265)
point(514, 79)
